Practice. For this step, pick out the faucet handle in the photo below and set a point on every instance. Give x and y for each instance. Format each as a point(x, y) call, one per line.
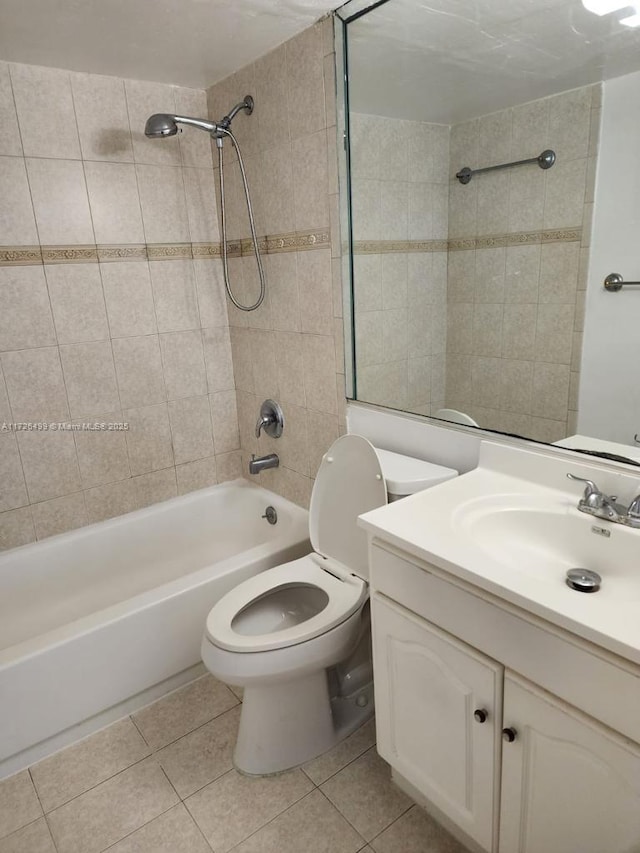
point(634, 508)
point(592, 497)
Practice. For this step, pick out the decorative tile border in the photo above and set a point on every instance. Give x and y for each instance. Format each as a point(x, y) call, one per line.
point(383, 247)
point(523, 238)
point(29, 255)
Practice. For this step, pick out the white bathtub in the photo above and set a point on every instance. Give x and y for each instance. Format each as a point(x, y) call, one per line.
point(92, 618)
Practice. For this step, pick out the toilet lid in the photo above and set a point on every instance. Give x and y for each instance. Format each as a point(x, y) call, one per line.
point(349, 483)
point(340, 597)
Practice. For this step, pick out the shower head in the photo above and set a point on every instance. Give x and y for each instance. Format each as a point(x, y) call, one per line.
point(160, 125)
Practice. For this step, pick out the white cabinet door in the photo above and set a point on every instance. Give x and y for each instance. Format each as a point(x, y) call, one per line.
point(427, 687)
point(569, 785)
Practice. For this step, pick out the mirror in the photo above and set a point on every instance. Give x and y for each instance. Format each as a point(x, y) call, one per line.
point(477, 293)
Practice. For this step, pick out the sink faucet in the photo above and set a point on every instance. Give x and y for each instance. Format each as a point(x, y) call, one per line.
point(595, 502)
point(260, 463)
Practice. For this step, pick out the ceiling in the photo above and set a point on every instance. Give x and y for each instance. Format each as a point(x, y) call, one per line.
point(446, 61)
point(186, 42)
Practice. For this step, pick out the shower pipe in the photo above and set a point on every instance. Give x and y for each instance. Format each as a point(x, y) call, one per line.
point(162, 125)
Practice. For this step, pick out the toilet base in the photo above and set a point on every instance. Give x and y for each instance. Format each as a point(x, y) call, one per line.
point(285, 725)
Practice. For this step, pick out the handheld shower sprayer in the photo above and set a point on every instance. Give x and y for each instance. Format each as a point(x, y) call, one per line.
point(162, 125)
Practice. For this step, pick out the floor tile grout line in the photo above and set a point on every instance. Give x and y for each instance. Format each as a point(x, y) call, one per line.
point(142, 825)
point(344, 767)
point(269, 822)
point(136, 727)
point(44, 814)
point(155, 749)
point(344, 817)
point(394, 821)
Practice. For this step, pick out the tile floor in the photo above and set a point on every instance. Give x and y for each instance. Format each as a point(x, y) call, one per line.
point(162, 781)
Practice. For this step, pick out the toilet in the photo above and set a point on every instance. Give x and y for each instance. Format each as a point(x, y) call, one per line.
point(297, 637)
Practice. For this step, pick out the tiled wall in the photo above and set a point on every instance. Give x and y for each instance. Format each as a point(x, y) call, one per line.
point(111, 303)
point(400, 174)
point(291, 348)
point(517, 265)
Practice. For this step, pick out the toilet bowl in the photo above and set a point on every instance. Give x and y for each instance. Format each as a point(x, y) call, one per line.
point(297, 637)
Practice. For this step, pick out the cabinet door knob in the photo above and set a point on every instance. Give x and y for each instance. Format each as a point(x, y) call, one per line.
point(509, 735)
point(480, 715)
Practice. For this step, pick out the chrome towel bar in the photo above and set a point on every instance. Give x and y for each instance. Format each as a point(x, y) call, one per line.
point(544, 160)
point(614, 282)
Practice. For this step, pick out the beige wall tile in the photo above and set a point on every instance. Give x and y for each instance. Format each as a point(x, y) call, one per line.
point(183, 364)
point(10, 142)
point(487, 329)
point(242, 358)
point(526, 200)
point(77, 302)
point(485, 379)
point(45, 91)
point(321, 433)
point(139, 371)
point(14, 492)
point(113, 809)
point(515, 386)
point(234, 807)
point(394, 334)
point(196, 475)
point(59, 515)
point(394, 209)
point(310, 181)
point(559, 272)
point(171, 832)
point(319, 373)
point(283, 284)
point(60, 201)
point(127, 293)
point(200, 191)
point(110, 500)
point(35, 838)
point(18, 803)
point(224, 417)
point(217, 358)
point(143, 100)
point(271, 95)
point(494, 138)
point(163, 202)
point(365, 137)
point(155, 487)
point(265, 373)
point(368, 338)
point(191, 431)
point(493, 203)
point(460, 327)
point(35, 384)
point(149, 439)
point(115, 206)
point(195, 146)
point(174, 295)
point(17, 221)
point(290, 367)
point(522, 273)
point(90, 378)
point(330, 108)
point(314, 285)
point(305, 85)
point(50, 464)
point(367, 282)
point(565, 189)
point(5, 408)
point(25, 311)
point(16, 528)
point(519, 331)
point(211, 294)
point(277, 190)
point(546, 430)
point(419, 381)
point(102, 454)
point(551, 391)
point(569, 117)
point(554, 328)
point(530, 129)
point(229, 466)
point(101, 114)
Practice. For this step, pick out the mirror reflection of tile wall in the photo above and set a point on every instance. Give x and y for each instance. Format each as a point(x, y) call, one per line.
point(472, 296)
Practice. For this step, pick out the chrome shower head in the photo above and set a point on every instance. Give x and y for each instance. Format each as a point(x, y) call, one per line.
point(159, 125)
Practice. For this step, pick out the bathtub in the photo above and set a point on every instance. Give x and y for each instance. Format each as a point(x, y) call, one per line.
point(98, 621)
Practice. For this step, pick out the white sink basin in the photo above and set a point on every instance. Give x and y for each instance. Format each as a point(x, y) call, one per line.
point(512, 528)
point(543, 538)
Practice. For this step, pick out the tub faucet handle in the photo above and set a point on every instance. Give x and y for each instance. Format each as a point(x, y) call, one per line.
point(270, 419)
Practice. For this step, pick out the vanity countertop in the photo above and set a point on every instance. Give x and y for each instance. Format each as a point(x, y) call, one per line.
point(512, 528)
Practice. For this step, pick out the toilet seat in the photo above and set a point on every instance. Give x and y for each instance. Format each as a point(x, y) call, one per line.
point(349, 482)
point(345, 593)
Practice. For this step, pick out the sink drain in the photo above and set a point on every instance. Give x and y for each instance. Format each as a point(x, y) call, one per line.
point(583, 580)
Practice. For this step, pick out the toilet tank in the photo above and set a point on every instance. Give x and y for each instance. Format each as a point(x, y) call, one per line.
point(405, 475)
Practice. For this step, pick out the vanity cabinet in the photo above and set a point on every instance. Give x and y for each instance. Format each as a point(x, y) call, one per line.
point(529, 773)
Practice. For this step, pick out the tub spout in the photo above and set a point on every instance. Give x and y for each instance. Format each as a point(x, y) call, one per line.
point(259, 463)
